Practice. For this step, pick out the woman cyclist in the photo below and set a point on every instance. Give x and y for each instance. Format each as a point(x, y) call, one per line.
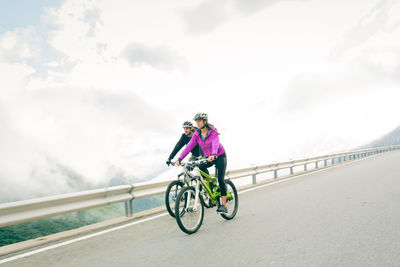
point(207, 137)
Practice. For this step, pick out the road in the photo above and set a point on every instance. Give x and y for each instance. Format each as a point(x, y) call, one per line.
point(347, 215)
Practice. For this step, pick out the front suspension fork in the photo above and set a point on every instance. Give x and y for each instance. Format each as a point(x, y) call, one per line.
point(196, 197)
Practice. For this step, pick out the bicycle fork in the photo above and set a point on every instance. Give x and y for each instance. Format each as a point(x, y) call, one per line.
point(196, 197)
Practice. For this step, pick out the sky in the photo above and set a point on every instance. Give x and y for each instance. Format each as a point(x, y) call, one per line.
point(100, 89)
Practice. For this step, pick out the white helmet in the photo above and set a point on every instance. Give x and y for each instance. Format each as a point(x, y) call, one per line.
point(187, 124)
point(200, 116)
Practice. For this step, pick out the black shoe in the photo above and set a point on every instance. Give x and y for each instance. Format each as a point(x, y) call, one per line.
point(222, 209)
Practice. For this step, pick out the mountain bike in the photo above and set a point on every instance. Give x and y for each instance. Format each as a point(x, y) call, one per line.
point(175, 187)
point(190, 203)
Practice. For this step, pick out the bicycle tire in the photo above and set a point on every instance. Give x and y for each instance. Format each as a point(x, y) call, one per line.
point(182, 196)
point(168, 198)
point(206, 198)
point(230, 216)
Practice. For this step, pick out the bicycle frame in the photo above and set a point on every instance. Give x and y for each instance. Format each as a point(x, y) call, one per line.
point(194, 175)
point(196, 180)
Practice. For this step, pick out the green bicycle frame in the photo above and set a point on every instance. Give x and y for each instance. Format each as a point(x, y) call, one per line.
point(213, 195)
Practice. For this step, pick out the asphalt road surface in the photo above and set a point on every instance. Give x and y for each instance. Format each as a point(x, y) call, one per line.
point(348, 215)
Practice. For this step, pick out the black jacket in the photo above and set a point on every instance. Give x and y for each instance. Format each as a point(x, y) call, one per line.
point(196, 151)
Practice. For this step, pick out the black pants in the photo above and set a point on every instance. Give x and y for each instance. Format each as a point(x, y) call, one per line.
point(220, 164)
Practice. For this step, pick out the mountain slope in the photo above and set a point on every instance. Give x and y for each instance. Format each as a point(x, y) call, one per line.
point(390, 139)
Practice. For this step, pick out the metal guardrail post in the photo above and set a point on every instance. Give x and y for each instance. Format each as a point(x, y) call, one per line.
point(325, 163)
point(316, 164)
point(291, 170)
point(128, 208)
point(254, 178)
point(305, 167)
point(275, 174)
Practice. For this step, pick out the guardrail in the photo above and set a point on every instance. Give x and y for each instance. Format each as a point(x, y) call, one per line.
point(29, 210)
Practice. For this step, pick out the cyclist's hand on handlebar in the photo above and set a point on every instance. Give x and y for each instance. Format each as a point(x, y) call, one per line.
point(211, 158)
point(177, 163)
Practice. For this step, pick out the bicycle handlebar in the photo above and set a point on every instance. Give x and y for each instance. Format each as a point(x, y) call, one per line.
point(197, 161)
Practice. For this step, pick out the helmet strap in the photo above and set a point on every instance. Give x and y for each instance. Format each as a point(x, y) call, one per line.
point(205, 124)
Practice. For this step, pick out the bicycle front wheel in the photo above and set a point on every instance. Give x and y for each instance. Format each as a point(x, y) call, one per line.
point(190, 215)
point(171, 194)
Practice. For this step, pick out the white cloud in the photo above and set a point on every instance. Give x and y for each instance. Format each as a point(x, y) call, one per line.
point(209, 15)
point(381, 18)
point(160, 57)
point(19, 45)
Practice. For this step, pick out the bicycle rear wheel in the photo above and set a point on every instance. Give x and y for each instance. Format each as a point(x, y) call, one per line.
point(171, 194)
point(206, 198)
point(190, 216)
point(232, 201)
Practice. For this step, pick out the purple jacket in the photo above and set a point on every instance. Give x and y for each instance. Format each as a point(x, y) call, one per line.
point(210, 146)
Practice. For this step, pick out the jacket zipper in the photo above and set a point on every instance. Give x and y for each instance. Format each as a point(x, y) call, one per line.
point(206, 145)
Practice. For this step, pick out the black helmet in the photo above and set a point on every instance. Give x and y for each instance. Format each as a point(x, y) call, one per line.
point(200, 116)
point(187, 124)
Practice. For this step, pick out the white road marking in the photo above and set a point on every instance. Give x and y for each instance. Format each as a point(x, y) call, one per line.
point(30, 253)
